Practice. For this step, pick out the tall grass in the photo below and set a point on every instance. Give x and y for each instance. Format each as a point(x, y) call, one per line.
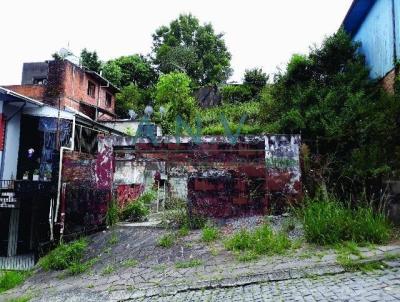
point(329, 222)
point(209, 234)
point(67, 256)
point(261, 241)
point(112, 213)
point(11, 279)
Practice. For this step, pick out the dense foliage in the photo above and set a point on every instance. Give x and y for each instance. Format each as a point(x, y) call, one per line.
point(173, 93)
point(347, 122)
point(187, 46)
point(90, 60)
point(328, 97)
point(255, 79)
point(66, 256)
point(329, 222)
point(133, 98)
point(127, 70)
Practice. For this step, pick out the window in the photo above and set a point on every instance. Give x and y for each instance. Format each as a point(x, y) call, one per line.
point(108, 99)
point(91, 90)
point(39, 81)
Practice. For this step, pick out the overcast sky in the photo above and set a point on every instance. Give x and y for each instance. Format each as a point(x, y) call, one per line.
point(258, 33)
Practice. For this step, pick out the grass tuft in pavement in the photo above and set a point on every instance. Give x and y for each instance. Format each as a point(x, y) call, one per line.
point(209, 234)
point(166, 240)
point(261, 241)
point(68, 256)
point(189, 263)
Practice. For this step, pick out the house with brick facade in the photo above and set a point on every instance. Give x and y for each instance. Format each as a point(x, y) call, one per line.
point(376, 25)
point(63, 84)
point(50, 125)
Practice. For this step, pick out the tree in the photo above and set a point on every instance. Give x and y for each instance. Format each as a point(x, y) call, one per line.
point(90, 60)
point(186, 46)
point(255, 79)
point(342, 114)
point(130, 98)
point(112, 72)
point(173, 92)
point(134, 69)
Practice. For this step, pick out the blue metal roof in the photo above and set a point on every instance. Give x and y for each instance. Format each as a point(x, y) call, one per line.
point(356, 15)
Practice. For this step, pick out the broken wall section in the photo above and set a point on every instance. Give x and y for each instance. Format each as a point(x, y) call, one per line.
point(86, 189)
point(255, 175)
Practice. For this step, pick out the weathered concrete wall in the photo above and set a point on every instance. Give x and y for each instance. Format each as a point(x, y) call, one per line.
point(256, 174)
point(88, 186)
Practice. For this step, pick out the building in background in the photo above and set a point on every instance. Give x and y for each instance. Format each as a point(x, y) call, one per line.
point(37, 141)
point(376, 24)
point(62, 83)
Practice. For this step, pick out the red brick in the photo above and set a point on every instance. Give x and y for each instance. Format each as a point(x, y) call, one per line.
point(241, 200)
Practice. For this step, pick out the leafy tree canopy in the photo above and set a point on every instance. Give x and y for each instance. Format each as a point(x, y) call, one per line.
point(186, 46)
point(328, 97)
point(90, 60)
point(174, 94)
point(255, 79)
point(133, 98)
point(126, 70)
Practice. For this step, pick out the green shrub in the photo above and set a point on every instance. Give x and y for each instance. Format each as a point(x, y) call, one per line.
point(64, 256)
point(68, 256)
point(11, 279)
point(129, 263)
point(209, 234)
point(112, 213)
point(329, 222)
point(167, 240)
point(134, 211)
point(261, 241)
point(137, 210)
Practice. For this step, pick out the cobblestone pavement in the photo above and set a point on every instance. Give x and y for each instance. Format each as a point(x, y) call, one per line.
point(374, 286)
point(154, 273)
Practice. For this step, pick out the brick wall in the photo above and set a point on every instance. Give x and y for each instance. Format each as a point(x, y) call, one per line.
point(87, 180)
point(68, 83)
point(257, 174)
point(33, 91)
point(76, 88)
point(388, 81)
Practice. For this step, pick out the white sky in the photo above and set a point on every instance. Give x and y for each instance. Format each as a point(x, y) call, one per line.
point(258, 33)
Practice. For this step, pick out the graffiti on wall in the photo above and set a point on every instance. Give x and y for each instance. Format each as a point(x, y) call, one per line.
point(88, 180)
point(282, 158)
point(216, 177)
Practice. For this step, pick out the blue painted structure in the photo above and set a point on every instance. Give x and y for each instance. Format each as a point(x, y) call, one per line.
point(376, 24)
